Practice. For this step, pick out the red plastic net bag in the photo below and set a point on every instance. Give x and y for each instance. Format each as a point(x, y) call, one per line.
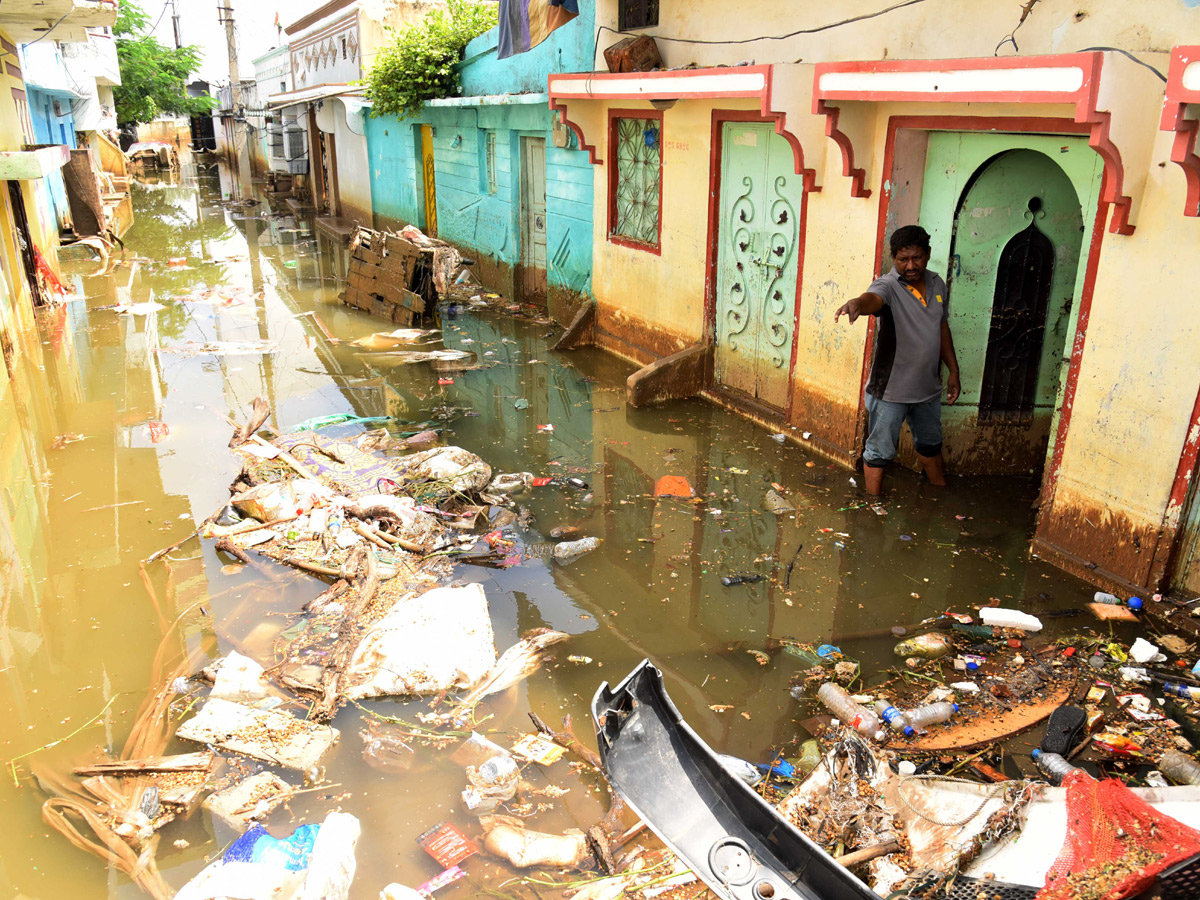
point(1116, 843)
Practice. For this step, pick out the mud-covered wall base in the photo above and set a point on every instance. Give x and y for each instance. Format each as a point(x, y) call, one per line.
point(1099, 544)
point(629, 337)
point(832, 424)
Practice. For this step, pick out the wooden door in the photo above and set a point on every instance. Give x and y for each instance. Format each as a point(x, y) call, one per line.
point(429, 180)
point(533, 219)
point(757, 262)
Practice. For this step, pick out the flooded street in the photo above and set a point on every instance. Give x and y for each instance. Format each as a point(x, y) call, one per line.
point(82, 620)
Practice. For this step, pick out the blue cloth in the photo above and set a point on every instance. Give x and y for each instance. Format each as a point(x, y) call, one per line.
point(884, 419)
point(526, 23)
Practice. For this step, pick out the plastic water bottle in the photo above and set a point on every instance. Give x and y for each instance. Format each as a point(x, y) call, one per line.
point(1179, 767)
point(861, 719)
point(1053, 766)
point(740, 769)
point(1106, 597)
point(895, 719)
point(929, 714)
point(1009, 618)
point(1187, 692)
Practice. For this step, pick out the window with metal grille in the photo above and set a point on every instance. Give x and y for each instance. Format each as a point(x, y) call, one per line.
point(635, 180)
point(489, 160)
point(637, 14)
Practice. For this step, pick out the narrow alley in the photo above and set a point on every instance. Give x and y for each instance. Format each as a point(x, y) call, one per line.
point(118, 429)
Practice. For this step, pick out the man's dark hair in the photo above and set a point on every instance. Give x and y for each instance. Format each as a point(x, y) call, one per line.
point(909, 236)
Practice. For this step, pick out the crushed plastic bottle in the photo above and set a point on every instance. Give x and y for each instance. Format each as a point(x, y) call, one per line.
point(929, 714)
point(740, 769)
point(1053, 766)
point(569, 551)
point(1179, 767)
point(842, 705)
point(895, 719)
point(924, 646)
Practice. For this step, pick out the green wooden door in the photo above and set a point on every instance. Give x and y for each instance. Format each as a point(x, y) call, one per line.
point(992, 203)
point(757, 262)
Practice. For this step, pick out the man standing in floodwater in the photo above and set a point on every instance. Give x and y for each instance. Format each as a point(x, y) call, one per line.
point(912, 342)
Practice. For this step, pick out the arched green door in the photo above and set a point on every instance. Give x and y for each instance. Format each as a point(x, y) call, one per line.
point(1009, 229)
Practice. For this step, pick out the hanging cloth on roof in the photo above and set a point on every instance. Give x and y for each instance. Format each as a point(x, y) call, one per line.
point(526, 23)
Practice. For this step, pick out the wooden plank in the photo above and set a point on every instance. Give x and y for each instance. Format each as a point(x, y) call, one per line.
point(976, 731)
point(129, 768)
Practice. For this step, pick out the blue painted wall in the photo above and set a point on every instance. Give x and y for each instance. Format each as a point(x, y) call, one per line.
point(469, 216)
point(49, 128)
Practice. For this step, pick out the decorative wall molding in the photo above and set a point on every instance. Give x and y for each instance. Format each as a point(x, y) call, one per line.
point(572, 90)
point(1183, 88)
point(1095, 85)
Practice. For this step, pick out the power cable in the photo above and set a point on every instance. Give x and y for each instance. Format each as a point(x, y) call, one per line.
point(780, 37)
point(1126, 53)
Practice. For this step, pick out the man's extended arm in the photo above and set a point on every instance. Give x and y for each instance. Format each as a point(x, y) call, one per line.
point(863, 305)
point(953, 387)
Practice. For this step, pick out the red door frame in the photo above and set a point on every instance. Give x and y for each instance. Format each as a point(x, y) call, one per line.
point(719, 118)
point(1010, 125)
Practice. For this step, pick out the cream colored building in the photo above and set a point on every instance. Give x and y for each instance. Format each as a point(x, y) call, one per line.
point(747, 191)
point(331, 48)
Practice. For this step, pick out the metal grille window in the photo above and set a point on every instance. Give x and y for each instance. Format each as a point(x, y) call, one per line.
point(637, 14)
point(489, 160)
point(635, 180)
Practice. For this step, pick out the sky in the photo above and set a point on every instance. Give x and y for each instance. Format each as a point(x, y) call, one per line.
point(198, 24)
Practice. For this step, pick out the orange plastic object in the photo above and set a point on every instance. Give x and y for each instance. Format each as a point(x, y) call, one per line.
point(673, 486)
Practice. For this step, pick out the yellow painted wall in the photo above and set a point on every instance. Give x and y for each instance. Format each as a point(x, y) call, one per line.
point(17, 313)
point(1140, 371)
point(933, 29)
point(651, 305)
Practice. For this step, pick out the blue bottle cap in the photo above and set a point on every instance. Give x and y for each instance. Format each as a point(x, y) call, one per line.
point(955, 705)
point(909, 731)
point(1135, 603)
point(1037, 752)
point(972, 665)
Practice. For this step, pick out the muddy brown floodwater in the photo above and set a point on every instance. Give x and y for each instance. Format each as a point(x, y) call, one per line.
point(79, 627)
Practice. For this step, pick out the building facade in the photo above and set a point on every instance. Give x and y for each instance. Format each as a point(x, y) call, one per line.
point(495, 174)
point(330, 49)
point(272, 75)
point(750, 195)
point(29, 233)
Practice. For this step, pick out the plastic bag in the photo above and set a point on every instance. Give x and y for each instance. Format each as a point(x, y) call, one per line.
point(315, 862)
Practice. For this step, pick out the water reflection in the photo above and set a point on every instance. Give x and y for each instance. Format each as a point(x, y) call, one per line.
point(81, 621)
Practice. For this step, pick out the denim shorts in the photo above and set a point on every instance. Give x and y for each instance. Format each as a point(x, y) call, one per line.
point(884, 419)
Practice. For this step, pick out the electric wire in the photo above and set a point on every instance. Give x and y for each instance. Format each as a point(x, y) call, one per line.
point(1126, 53)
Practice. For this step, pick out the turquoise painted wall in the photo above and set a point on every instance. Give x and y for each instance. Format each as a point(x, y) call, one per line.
point(470, 215)
point(567, 49)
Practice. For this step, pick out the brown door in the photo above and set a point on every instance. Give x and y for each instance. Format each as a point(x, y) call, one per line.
point(25, 241)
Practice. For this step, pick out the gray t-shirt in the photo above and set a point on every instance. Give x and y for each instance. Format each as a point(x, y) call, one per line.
point(908, 343)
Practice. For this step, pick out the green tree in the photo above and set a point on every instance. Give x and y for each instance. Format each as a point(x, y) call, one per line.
point(153, 77)
point(421, 62)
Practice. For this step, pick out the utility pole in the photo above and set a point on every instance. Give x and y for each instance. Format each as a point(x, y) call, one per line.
point(240, 138)
point(175, 22)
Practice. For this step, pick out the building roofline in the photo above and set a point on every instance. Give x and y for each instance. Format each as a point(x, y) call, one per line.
point(316, 16)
